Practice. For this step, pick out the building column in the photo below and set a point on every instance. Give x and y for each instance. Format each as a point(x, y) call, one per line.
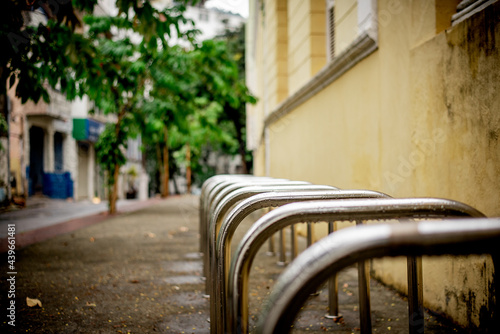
point(49, 150)
point(91, 172)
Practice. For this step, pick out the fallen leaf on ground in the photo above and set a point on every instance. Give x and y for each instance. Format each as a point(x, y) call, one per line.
point(31, 302)
point(90, 304)
point(183, 229)
point(92, 239)
point(150, 235)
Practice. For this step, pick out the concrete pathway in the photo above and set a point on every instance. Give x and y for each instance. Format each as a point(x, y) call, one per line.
point(43, 217)
point(140, 272)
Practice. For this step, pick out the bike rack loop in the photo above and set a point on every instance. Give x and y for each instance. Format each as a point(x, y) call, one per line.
point(208, 193)
point(243, 209)
point(206, 188)
point(213, 189)
point(344, 248)
point(354, 209)
point(208, 185)
point(218, 194)
point(222, 194)
point(226, 203)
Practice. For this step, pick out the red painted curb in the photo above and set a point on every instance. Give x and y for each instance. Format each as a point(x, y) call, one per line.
point(27, 238)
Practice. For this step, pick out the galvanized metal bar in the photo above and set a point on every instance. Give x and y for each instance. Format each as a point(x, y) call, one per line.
point(282, 255)
point(310, 233)
point(271, 248)
point(364, 294)
point(206, 190)
point(344, 248)
point(233, 219)
point(321, 211)
point(294, 247)
point(333, 293)
point(225, 202)
point(210, 189)
point(217, 193)
point(415, 295)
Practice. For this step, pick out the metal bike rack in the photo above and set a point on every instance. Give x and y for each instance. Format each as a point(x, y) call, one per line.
point(218, 193)
point(207, 186)
point(214, 187)
point(209, 191)
point(225, 203)
point(314, 211)
point(344, 248)
point(241, 211)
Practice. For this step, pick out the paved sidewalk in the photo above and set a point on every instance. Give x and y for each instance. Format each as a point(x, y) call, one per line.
point(44, 218)
point(140, 272)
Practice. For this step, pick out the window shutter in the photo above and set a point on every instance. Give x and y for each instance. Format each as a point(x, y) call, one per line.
point(330, 21)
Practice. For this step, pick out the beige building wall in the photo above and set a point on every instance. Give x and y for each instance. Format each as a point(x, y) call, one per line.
point(307, 41)
point(418, 117)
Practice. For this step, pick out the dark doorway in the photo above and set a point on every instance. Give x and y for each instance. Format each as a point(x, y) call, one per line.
point(36, 159)
point(58, 152)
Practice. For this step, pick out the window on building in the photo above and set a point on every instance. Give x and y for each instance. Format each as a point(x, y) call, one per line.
point(203, 16)
point(346, 22)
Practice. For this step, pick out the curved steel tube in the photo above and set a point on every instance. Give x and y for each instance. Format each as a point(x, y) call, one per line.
point(211, 188)
point(243, 209)
point(218, 194)
point(207, 187)
point(341, 249)
point(225, 202)
point(324, 211)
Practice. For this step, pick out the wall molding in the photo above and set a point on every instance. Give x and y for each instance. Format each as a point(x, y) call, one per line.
point(362, 47)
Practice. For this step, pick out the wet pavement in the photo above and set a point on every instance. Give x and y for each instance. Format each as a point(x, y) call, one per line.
point(140, 272)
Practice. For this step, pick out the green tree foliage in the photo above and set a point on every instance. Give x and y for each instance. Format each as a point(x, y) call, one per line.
point(178, 99)
point(129, 48)
point(184, 113)
point(235, 39)
point(104, 64)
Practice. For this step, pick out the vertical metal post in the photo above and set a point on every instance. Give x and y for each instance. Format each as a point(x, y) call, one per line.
point(310, 232)
point(364, 294)
point(282, 257)
point(270, 251)
point(415, 295)
point(294, 244)
point(333, 293)
point(364, 297)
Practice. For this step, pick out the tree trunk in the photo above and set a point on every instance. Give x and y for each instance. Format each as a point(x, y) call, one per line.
point(188, 168)
point(159, 171)
point(241, 146)
point(238, 125)
point(166, 175)
point(113, 196)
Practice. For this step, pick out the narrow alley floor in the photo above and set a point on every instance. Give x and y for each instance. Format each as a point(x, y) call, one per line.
point(140, 272)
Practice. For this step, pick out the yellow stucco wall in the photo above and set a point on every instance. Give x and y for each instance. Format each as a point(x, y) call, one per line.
point(418, 117)
point(299, 62)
